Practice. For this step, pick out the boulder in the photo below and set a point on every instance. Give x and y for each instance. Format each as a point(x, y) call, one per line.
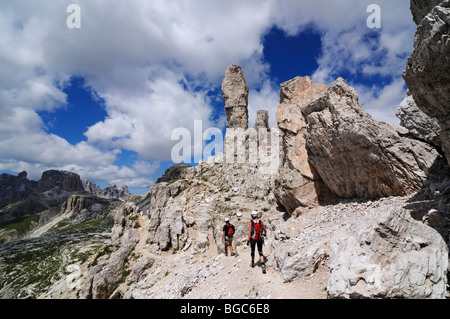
point(293, 190)
point(298, 183)
point(358, 157)
point(388, 254)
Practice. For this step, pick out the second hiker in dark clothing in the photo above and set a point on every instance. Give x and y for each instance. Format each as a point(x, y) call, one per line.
point(227, 236)
point(255, 238)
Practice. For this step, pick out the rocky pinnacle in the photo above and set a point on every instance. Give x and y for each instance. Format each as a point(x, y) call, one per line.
point(235, 95)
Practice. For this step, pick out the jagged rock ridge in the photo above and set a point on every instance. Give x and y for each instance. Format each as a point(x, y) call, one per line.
point(20, 197)
point(109, 192)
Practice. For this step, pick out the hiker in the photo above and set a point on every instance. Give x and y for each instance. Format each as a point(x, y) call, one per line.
point(227, 236)
point(255, 238)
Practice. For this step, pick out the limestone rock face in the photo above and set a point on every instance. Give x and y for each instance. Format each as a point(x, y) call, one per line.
point(66, 180)
point(235, 95)
point(108, 277)
point(166, 225)
point(388, 254)
point(79, 202)
point(357, 156)
point(294, 94)
point(427, 73)
point(103, 278)
point(420, 8)
point(298, 183)
point(420, 125)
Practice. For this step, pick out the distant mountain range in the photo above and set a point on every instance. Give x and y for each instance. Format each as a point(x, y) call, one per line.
point(20, 196)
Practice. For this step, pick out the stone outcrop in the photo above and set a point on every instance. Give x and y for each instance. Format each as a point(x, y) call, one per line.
point(257, 147)
point(15, 188)
point(174, 173)
point(166, 225)
point(298, 183)
point(387, 254)
point(65, 180)
point(420, 125)
point(357, 156)
point(109, 276)
point(427, 73)
point(105, 276)
point(235, 95)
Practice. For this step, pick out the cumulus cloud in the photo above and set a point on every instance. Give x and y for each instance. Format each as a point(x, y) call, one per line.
point(352, 50)
point(144, 123)
point(382, 102)
point(266, 97)
point(154, 64)
point(348, 44)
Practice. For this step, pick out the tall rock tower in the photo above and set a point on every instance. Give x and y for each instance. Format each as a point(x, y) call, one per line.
point(235, 95)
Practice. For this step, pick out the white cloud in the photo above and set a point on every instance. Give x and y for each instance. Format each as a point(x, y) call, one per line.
point(382, 102)
point(153, 63)
point(144, 123)
point(267, 97)
point(350, 47)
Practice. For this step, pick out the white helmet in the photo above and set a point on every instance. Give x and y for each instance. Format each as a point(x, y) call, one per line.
point(254, 213)
point(226, 220)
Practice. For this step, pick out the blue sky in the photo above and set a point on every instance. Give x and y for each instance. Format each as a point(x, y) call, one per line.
point(102, 100)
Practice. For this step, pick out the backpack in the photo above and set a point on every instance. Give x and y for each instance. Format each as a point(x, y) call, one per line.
point(230, 232)
point(257, 230)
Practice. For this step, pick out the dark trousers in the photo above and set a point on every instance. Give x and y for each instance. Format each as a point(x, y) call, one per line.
point(259, 243)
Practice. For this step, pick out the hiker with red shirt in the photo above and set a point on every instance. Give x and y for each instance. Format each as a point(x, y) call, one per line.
point(227, 236)
point(255, 238)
